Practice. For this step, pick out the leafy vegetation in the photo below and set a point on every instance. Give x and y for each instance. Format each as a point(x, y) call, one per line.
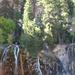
point(7, 25)
point(51, 26)
point(11, 53)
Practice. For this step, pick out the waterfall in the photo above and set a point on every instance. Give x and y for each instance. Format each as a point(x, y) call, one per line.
point(67, 50)
point(38, 66)
point(16, 52)
point(5, 52)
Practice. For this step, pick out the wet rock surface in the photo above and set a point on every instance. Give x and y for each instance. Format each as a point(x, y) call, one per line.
point(9, 66)
point(46, 64)
point(66, 54)
point(59, 62)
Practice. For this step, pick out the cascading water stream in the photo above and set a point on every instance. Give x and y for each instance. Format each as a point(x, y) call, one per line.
point(5, 52)
point(16, 52)
point(40, 73)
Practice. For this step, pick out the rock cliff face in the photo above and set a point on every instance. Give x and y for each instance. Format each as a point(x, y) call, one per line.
point(60, 61)
point(66, 54)
point(49, 63)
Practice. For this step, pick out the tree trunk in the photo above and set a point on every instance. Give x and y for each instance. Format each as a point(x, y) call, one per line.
point(34, 7)
point(21, 64)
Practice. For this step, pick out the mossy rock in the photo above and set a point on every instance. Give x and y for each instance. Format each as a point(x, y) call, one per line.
point(66, 47)
point(20, 51)
point(21, 47)
point(10, 52)
point(25, 51)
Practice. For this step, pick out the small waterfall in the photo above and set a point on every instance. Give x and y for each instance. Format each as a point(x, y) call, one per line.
point(16, 52)
point(5, 52)
point(38, 66)
point(67, 50)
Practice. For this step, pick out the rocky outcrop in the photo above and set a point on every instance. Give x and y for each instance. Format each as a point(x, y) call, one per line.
point(10, 65)
point(60, 61)
point(49, 63)
point(66, 54)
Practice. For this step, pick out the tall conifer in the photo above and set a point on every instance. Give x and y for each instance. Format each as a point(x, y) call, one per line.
point(4, 8)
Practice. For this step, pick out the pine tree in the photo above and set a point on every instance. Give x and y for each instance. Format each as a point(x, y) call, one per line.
point(17, 2)
point(4, 8)
point(32, 32)
point(28, 13)
point(71, 18)
point(53, 16)
point(11, 12)
point(17, 17)
point(18, 25)
point(22, 7)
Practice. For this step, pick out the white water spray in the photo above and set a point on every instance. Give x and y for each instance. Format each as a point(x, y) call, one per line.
point(5, 52)
point(16, 52)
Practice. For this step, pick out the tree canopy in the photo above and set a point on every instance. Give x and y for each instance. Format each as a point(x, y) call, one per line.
point(52, 24)
point(6, 25)
point(38, 23)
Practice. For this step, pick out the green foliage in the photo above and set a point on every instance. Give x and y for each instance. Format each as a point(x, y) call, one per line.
point(25, 51)
point(10, 52)
point(0, 36)
point(22, 7)
point(16, 2)
point(52, 16)
point(9, 39)
point(11, 12)
point(16, 15)
point(50, 26)
point(67, 41)
point(70, 7)
point(7, 25)
point(23, 39)
point(17, 20)
point(28, 12)
point(20, 51)
point(72, 34)
point(33, 44)
point(2, 22)
point(4, 8)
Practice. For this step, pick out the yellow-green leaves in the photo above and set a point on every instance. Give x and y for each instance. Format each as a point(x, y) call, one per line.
point(0, 35)
point(6, 25)
point(27, 15)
